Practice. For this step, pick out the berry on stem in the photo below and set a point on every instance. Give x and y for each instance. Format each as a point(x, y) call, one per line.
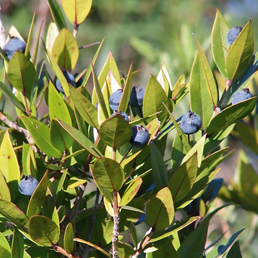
point(190, 123)
point(241, 95)
point(69, 78)
point(233, 33)
point(140, 136)
point(13, 45)
point(114, 99)
point(137, 95)
point(123, 114)
point(28, 185)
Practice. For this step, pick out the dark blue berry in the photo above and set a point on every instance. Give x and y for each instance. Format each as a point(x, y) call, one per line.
point(28, 185)
point(137, 95)
point(123, 114)
point(190, 123)
point(241, 95)
point(232, 34)
point(140, 136)
point(13, 45)
point(114, 99)
point(69, 78)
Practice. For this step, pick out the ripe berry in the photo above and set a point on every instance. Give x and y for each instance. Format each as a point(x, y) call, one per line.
point(13, 45)
point(140, 136)
point(190, 123)
point(114, 99)
point(69, 78)
point(241, 95)
point(27, 185)
point(232, 34)
point(123, 114)
point(137, 95)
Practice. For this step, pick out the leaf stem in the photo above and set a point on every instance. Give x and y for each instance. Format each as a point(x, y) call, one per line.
point(115, 226)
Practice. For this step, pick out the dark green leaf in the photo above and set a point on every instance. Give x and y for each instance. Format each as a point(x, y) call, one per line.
point(17, 245)
point(234, 251)
point(4, 189)
point(5, 250)
point(68, 238)
point(57, 14)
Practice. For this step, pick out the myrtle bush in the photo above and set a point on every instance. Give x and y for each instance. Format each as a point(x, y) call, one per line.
point(81, 179)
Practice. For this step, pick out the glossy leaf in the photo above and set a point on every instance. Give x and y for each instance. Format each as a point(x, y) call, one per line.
point(160, 209)
point(125, 250)
point(52, 33)
point(68, 238)
point(12, 212)
point(115, 131)
point(234, 251)
point(9, 94)
point(219, 42)
point(5, 250)
point(231, 115)
point(43, 230)
point(240, 53)
point(183, 179)
point(21, 73)
point(41, 135)
point(87, 111)
point(164, 79)
point(159, 169)
point(65, 50)
point(9, 165)
point(38, 197)
point(131, 191)
point(57, 14)
point(167, 250)
point(57, 106)
point(76, 10)
point(108, 174)
point(203, 89)
point(81, 139)
point(4, 189)
point(153, 98)
point(17, 245)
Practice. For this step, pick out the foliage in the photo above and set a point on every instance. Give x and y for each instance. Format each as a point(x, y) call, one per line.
point(94, 187)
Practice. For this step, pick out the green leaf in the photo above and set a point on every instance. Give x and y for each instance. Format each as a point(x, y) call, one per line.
point(57, 14)
point(29, 39)
point(81, 139)
point(21, 73)
point(57, 106)
point(93, 245)
point(108, 174)
point(9, 94)
point(65, 50)
point(17, 245)
point(41, 135)
point(115, 131)
point(38, 197)
point(125, 250)
point(219, 42)
point(159, 169)
point(240, 53)
point(234, 251)
point(4, 189)
point(9, 165)
point(12, 212)
point(203, 89)
point(76, 10)
point(87, 111)
point(43, 230)
point(160, 209)
point(5, 250)
point(182, 180)
point(164, 79)
point(131, 191)
point(231, 115)
point(68, 238)
point(153, 98)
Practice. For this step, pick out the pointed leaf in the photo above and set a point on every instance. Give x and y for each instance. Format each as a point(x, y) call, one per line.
point(4, 189)
point(115, 131)
point(9, 165)
point(159, 170)
point(68, 238)
point(29, 39)
point(43, 230)
point(183, 179)
point(108, 174)
point(160, 209)
point(65, 50)
point(17, 245)
point(21, 73)
point(240, 53)
point(234, 251)
point(76, 10)
point(5, 250)
point(219, 42)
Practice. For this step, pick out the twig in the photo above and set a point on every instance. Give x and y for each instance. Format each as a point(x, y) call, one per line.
point(115, 226)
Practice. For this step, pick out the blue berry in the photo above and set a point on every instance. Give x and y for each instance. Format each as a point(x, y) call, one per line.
point(123, 114)
point(232, 34)
point(140, 136)
point(114, 99)
point(137, 95)
point(13, 45)
point(69, 78)
point(27, 185)
point(241, 95)
point(190, 123)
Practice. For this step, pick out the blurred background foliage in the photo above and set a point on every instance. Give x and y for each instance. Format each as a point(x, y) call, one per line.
point(150, 33)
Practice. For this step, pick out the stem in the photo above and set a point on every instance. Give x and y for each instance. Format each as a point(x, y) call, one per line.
point(26, 104)
point(89, 45)
point(116, 226)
